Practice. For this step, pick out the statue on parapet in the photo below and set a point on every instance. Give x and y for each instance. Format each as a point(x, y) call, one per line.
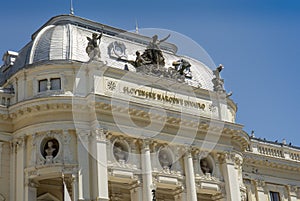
point(153, 54)
point(139, 60)
point(183, 67)
point(92, 48)
point(218, 81)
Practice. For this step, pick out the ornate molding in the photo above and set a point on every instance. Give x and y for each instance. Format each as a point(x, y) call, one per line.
point(292, 188)
point(260, 183)
point(19, 143)
point(100, 134)
point(231, 157)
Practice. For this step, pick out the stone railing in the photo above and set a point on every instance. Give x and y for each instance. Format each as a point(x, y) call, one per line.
point(270, 151)
point(275, 150)
point(295, 156)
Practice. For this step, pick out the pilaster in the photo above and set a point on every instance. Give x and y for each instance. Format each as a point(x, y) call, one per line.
point(292, 192)
point(231, 163)
point(20, 146)
point(261, 192)
point(101, 164)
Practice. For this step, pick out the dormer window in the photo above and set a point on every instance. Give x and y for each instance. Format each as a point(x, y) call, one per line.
point(9, 59)
point(55, 84)
point(49, 84)
point(43, 85)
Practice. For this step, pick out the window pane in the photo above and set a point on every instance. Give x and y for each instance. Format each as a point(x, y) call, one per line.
point(42, 85)
point(55, 83)
point(274, 196)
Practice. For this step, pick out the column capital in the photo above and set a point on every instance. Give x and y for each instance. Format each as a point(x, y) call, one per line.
point(292, 188)
point(19, 142)
point(83, 135)
point(145, 143)
point(100, 134)
point(260, 183)
point(231, 158)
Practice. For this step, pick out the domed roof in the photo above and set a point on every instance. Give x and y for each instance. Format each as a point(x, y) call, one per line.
point(64, 38)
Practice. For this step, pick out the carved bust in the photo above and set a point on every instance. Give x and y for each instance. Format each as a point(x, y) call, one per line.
point(120, 152)
point(165, 159)
point(205, 167)
point(50, 149)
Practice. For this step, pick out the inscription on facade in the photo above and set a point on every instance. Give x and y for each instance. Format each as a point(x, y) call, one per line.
point(163, 98)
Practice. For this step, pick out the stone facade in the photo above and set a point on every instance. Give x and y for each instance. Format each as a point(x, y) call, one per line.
point(112, 133)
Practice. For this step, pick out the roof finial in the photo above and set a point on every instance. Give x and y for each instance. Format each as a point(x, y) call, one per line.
point(136, 27)
point(71, 7)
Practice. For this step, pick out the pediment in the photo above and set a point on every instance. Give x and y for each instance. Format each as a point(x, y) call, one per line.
point(47, 197)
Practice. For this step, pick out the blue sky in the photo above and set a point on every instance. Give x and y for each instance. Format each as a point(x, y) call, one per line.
point(257, 41)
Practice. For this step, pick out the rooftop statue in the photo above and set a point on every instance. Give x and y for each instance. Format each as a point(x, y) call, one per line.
point(218, 81)
point(154, 44)
point(139, 60)
point(183, 67)
point(92, 48)
point(152, 62)
point(153, 54)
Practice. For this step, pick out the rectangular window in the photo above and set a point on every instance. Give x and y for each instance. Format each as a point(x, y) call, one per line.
point(274, 196)
point(3, 101)
point(43, 85)
point(55, 84)
point(8, 102)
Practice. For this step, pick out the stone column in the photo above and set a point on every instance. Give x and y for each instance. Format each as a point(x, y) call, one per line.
point(250, 191)
point(101, 164)
point(30, 191)
point(261, 192)
point(146, 171)
point(1, 145)
point(230, 167)
point(292, 192)
point(136, 193)
point(12, 171)
point(20, 169)
point(75, 187)
point(190, 176)
point(217, 171)
point(83, 162)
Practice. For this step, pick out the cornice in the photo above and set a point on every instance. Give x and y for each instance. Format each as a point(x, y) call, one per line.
point(102, 104)
point(268, 161)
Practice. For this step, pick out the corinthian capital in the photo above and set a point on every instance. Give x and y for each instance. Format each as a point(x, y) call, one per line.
point(231, 157)
point(100, 134)
point(18, 143)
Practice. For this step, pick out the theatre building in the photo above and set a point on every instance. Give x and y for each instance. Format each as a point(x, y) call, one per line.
point(90, 112)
